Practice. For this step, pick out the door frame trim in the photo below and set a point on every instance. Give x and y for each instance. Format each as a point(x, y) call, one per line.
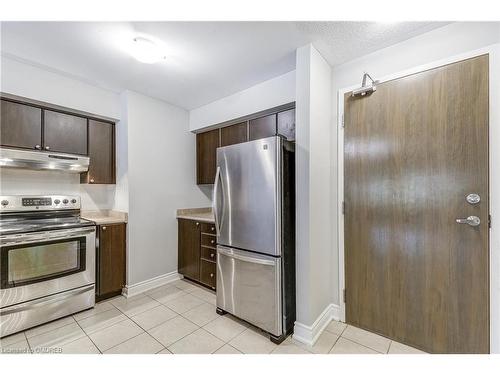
point(494, 177)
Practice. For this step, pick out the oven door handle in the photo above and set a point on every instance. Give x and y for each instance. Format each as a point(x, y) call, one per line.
point(44, 301)
point(30, 237)
point(70, 233)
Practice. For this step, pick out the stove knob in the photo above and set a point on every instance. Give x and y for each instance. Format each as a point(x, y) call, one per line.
point(73, 201)
point(5, 202)
point(65, 201)
point(57, 201)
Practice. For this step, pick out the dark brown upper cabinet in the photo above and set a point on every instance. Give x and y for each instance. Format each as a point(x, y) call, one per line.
point(286, 124)
point(64, 133)
point(234, 134)
point(206, 146)
point(101, 153)
point(278, 120)
point(262, 127)
point(20, 125)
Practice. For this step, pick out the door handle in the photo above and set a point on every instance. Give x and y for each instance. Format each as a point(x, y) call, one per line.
point(473, 221)
point(248, 259)
point(215, 202)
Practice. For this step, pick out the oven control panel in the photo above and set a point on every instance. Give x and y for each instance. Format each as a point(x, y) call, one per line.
point(13, 203)
point(36, 201)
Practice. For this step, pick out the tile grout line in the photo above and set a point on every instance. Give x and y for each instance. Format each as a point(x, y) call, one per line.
point(345, 338)
point(68, 342)
point(146, 330)
point(29, 345)
point(92, 341)
point(364, 344)
point(192, 333)
point(130, 338)
point(53, 329)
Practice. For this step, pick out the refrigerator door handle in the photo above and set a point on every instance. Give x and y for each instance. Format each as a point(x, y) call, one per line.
point(243, 258)
point(215, 203)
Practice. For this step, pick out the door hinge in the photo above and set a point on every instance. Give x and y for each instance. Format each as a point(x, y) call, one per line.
point(344, 296)
point(343, 208)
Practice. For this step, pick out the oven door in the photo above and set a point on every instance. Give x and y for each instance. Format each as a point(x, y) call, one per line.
point(35, 265)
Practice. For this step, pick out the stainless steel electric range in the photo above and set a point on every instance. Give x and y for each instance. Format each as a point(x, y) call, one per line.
point(47, 260)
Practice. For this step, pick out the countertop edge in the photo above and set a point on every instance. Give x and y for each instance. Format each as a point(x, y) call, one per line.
point(197, 218)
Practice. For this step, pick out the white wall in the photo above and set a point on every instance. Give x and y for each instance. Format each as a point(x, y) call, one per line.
point(25, 80)
point(17, 181)
point(268, 94)
point(438, 45)
point(161, 179)
point(313, 127)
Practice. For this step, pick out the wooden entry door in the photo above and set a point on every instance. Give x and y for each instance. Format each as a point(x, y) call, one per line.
point(413, 151)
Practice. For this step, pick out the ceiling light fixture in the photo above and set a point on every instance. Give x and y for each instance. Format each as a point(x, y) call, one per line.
point(146, 51)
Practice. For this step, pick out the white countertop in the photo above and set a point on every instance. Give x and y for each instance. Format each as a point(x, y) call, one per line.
point(101, 217)
point(199, 214)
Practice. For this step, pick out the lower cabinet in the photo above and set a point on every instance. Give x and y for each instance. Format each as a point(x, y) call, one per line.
point(110, 260)
point(197, 253)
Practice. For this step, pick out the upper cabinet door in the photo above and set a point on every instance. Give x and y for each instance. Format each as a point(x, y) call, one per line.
point(206, 146)
point(233, 134)
point(286, 124)
point(20, 125)
point(101, 153)
point(262, 127)
point(65, 133)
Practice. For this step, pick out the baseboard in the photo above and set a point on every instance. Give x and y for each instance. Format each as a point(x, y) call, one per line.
point(155, 282)
point(309, 334)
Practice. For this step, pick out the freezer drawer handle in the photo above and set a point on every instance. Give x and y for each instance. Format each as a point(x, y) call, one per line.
point(44, 301)
point(243, 258)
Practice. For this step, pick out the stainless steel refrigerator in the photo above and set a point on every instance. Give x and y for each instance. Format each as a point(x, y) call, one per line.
point(254, 207)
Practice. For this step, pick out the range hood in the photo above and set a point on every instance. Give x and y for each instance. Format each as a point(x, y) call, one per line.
point(38, 160)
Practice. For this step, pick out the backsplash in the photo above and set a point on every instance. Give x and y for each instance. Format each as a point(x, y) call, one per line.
point(19, 181)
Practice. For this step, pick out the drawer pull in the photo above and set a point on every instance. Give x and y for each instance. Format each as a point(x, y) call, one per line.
point(212, 255)
point(211, 275)
point(212, 241)
point(212, 228)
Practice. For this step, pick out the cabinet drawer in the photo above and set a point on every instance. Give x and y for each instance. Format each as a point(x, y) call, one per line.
point(207, 273)
point(209, 254)
point(208, 228)
point(208, 240)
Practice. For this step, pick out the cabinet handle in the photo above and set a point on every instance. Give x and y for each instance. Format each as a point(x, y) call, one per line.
point(197, 224)
point(37, 147)
point(91, 180)
point(212, 241)
point(212, 255)
point(47, 148)
point(211, 275)
point(212, 229)
point(103, 228)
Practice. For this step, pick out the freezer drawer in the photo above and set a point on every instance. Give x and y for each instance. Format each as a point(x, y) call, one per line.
point(249, 287)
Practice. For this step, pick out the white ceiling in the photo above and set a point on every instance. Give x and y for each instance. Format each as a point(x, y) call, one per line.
point(206, 60)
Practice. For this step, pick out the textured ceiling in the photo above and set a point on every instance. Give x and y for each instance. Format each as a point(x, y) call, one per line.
point(206, 60)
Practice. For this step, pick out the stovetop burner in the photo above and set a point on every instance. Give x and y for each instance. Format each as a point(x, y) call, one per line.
point(23, 214)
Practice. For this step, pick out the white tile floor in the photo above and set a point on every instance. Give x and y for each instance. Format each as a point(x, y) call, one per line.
point(180, 318)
